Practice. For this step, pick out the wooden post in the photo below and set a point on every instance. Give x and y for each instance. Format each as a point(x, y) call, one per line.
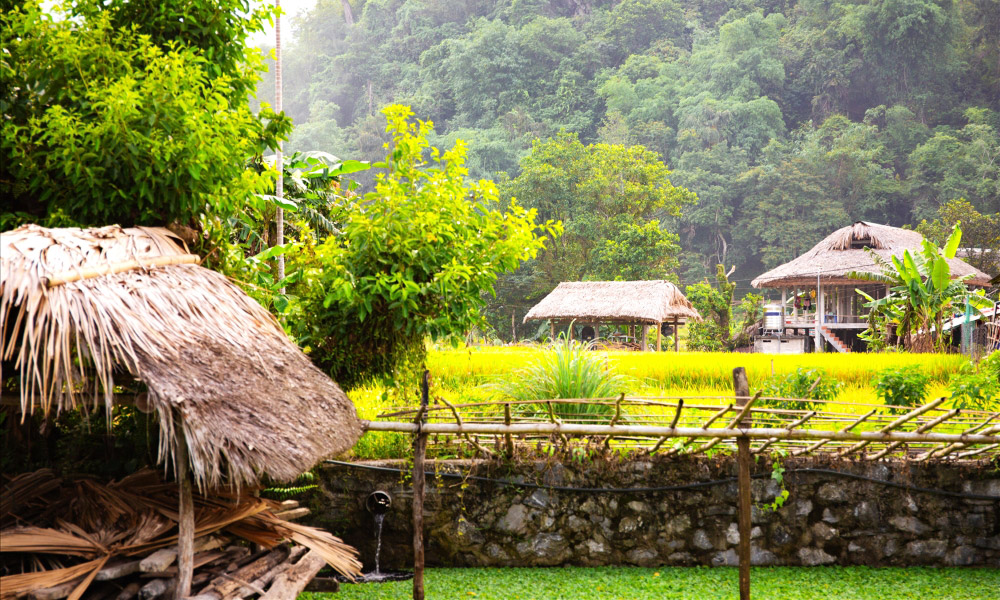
point(185, 522)
point(742, 390)
point(419, 451)
point(677, 334)
point(819, 308)
point(552, 330)
point(645, 337)
point(659, 334)
point(513, 326)
point(784, 303)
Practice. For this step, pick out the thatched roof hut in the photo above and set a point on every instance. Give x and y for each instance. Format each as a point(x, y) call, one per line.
point(86, 309)
point(844, 251)
point(649, 302)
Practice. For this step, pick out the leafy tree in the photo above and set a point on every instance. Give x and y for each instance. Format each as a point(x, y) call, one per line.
point(611, 201)
point(414, 260)
point(718, 331)
point(107, 122)
point(980, 233)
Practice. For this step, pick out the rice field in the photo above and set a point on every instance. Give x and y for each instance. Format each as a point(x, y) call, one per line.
point(469, 375)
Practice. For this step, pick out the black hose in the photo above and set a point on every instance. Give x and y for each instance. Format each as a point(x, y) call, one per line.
point(669, 488)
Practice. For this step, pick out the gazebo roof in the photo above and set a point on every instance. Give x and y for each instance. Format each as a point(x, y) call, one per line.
point(83, 307)
point(844, 251)
point(624, 301)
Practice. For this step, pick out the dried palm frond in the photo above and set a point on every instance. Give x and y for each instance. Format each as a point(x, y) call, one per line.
point(248, 401)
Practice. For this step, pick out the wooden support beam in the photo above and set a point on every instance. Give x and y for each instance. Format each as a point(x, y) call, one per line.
point(645, 337)
point(659, 334)
point(419, 452)
point(507, 437)
point(742, 389)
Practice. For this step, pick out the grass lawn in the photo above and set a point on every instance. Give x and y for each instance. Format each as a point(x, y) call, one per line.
point(696, 583)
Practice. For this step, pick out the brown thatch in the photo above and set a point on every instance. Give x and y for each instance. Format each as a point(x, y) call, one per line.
point(615, 301)
point(844, 251)
point(214, 362)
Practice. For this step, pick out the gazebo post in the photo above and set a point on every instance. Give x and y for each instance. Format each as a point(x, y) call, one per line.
point(185, 522)
point(645, 337)
point(819, 308)
point(552, 330)
point(659, 333)
point(677, 334)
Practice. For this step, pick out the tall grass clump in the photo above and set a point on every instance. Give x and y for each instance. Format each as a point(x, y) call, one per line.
point(567, 371)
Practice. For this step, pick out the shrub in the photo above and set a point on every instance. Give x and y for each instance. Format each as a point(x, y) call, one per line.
point(567, 371)
point(808, 384)
point(905, 386)
point(977, 387)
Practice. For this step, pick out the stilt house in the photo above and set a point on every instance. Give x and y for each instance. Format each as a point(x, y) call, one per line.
point(819, 302)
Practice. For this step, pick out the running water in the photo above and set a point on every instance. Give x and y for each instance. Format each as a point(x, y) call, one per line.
point(379, 519)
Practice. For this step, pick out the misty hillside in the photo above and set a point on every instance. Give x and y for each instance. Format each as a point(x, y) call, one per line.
point(787, 119)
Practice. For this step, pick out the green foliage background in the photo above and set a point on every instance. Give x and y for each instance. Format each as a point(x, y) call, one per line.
point(787, 119)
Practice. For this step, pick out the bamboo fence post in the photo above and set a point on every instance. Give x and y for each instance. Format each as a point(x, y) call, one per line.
point(420, 449)
point(742, 390)
point(185, 521)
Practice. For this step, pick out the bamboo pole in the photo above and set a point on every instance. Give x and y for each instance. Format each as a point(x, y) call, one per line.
point(689, 432)
point(765, 445)
point(83, 273)
point(816, 446)
point(925, 427)
point(744, 406)
point(707, 424)
point(420, 450)
point(742, 389)
point(673, 424)
point(913, 414)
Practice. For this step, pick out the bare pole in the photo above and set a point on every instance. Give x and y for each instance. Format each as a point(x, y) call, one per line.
point(185, 521)
point(279, 161)
point(419, 451)
point(742, 390)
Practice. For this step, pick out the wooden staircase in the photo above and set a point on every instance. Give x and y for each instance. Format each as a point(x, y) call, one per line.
point(835, 341)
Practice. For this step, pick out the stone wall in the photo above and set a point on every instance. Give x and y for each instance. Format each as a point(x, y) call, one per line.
point(827, 519)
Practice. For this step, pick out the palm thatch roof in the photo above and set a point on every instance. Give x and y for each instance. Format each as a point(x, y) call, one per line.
point(844, 251)
point(615, 301)
point(83, 309)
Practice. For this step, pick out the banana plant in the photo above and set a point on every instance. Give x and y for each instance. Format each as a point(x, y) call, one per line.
point(922, 294)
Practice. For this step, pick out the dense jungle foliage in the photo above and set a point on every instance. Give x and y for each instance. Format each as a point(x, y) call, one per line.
point(787, 118)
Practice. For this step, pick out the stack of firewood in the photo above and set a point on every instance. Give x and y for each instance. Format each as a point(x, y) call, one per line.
point(80, 538)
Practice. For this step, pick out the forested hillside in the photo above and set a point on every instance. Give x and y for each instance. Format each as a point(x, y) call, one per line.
point(787, 119)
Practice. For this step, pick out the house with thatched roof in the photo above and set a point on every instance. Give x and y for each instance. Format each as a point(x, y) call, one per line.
point(818, 298)
point(87, 313)
point(634, 304)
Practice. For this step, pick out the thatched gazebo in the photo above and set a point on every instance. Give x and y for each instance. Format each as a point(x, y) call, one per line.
point(821, 290)
point(84, 310)
point(629, 303)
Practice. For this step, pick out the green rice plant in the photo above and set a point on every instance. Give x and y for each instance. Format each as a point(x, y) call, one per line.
point(977, 387)
point(567, 371)
point(805, 383)
point(905, 386)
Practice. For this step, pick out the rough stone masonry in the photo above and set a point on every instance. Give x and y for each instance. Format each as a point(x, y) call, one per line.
point(827, 519)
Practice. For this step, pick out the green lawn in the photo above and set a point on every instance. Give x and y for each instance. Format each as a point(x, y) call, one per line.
point(698, 583)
